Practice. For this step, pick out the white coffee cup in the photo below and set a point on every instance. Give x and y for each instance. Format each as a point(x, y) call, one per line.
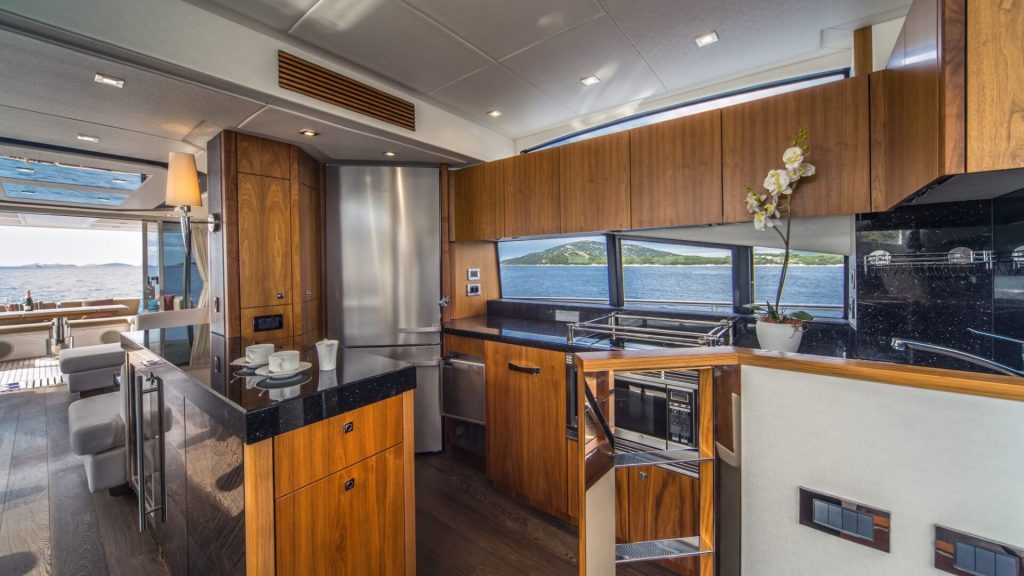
point(258, 353)
point(284, 361)
point(327, 354)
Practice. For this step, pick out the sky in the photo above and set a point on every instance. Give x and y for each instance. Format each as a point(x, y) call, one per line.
point(21, 245)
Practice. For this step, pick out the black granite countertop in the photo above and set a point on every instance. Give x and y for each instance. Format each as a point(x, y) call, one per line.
point(536, 333)
point(823, 339)
point(271, 407)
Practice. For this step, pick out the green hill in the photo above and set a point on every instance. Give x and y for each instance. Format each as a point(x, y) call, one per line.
point(590, 252)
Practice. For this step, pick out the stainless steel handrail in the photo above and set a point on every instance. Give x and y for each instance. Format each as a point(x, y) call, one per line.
point(617, 325)
point(902, 344)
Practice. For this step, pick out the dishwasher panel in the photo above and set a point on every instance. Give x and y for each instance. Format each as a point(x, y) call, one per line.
point(463, 388)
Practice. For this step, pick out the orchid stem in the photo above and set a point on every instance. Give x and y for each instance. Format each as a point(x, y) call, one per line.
point(785, 260)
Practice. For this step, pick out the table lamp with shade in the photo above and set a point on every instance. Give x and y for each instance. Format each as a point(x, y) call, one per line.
point(183, 192)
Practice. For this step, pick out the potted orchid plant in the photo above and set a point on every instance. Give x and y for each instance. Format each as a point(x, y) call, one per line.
point(776, 329)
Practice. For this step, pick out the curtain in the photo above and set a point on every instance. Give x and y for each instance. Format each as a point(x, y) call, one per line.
point(201, 253)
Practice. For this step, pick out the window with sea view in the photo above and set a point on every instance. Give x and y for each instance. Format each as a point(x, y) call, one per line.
point(683, 275)
point(560, 268)
point(687, 276)
point(815, 282)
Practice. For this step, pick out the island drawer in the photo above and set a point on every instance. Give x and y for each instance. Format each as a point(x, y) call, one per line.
point(312, 452)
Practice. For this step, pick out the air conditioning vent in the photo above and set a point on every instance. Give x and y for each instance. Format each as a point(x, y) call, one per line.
point(306, 78)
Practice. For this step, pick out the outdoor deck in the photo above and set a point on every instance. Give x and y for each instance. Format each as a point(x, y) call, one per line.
point(29, 373)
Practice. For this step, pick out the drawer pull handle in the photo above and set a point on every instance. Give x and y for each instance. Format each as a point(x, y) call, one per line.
point(280, 295)
point(350, 484)
point(531, 370)
point(349, 426)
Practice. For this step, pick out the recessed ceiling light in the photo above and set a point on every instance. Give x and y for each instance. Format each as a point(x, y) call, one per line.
point(309, 132)
point(28, 192)
point(108, 80)
point(589, 80)
point(709, 38)
point(119, 181)
point(85, 138)
point(390, 154)
point(494, 113)
point(24, 170)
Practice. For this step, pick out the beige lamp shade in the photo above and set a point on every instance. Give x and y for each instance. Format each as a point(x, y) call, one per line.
point(182, 181)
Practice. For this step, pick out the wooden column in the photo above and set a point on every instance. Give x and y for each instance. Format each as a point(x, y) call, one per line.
point(862, 54)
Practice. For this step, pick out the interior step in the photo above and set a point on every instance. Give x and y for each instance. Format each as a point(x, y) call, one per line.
point(655, 457)
point(659, 550)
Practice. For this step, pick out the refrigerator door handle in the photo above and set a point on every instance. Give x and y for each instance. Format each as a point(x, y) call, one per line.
point(420, 330)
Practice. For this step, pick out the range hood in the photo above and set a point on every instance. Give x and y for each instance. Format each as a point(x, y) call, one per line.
point(964, 187)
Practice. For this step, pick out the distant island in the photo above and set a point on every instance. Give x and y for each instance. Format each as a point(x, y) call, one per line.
point(48, 266)
point(590, 252)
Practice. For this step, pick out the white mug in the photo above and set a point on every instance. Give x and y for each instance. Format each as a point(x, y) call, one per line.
point(284, 361)
point(258, 353)
point(327, 354)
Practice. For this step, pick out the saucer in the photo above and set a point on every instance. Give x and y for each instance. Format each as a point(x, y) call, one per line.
point(265, 371)
point(241, 362)
point(283, 382)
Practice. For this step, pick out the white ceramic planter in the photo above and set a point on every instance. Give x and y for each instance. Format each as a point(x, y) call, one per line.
point(779, 337)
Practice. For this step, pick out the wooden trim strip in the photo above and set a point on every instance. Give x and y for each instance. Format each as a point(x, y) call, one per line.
point(306, 78)
point(409, 479)
point(258, 464)
point(971, 383)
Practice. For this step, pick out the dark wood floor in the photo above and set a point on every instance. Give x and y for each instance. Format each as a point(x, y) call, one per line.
point(49, 522)
point(464, 526)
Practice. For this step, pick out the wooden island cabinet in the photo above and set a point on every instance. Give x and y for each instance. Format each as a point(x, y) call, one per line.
point(334, 497)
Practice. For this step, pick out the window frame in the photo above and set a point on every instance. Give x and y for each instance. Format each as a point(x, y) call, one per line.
point(568, 239)
point(846, 285)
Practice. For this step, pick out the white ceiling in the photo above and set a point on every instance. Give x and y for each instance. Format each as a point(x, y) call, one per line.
point(525, 57)
point(48, 97)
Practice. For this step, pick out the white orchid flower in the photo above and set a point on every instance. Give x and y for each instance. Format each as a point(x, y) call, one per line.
point(786, 191)
point(793, 157)
point(807, 170)
point(759, 221)
point(777, 181)
point(753, 201)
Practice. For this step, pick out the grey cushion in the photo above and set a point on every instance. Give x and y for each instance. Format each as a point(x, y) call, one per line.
point(90, 358)
point(106, 469)
point(95, 424)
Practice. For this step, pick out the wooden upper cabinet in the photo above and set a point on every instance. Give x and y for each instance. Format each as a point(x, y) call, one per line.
point(265, 242)
point(477, 202)
point(676, 172)
point(263, 157)
point(594, 184)
point(307, 234)
point(835, 115)
point(995, 86)
point(531, 194)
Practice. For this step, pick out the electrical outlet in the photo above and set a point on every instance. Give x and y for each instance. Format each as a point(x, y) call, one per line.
point(472, 289)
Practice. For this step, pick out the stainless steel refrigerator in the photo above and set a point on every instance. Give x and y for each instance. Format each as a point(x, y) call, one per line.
point(383, 271)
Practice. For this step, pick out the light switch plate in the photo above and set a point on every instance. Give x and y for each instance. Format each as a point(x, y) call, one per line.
point(472, 274)
point(846, 519)
point(567, 316)
point(969, 555)
point(472, 289)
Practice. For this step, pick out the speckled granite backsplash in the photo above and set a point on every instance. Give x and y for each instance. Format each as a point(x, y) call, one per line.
point(938, 303)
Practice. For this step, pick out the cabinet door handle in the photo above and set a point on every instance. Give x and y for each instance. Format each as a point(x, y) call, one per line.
point(309, 294)
point(643, 475)
point(348, 427)
point(280, 295)
point(531, 370)
point(350, 484)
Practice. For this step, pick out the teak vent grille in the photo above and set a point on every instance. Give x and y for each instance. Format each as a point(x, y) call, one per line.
point(306, 78)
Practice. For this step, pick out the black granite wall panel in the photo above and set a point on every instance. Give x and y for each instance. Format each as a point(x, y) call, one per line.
point(935, 303)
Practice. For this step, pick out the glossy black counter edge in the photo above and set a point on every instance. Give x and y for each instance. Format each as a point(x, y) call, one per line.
point(291, 415)
point(260, 424)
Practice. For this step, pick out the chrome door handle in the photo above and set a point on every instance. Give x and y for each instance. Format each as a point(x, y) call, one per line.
point(350, 484)
point(280, 296)
point(348, 427)
point(531, 370)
